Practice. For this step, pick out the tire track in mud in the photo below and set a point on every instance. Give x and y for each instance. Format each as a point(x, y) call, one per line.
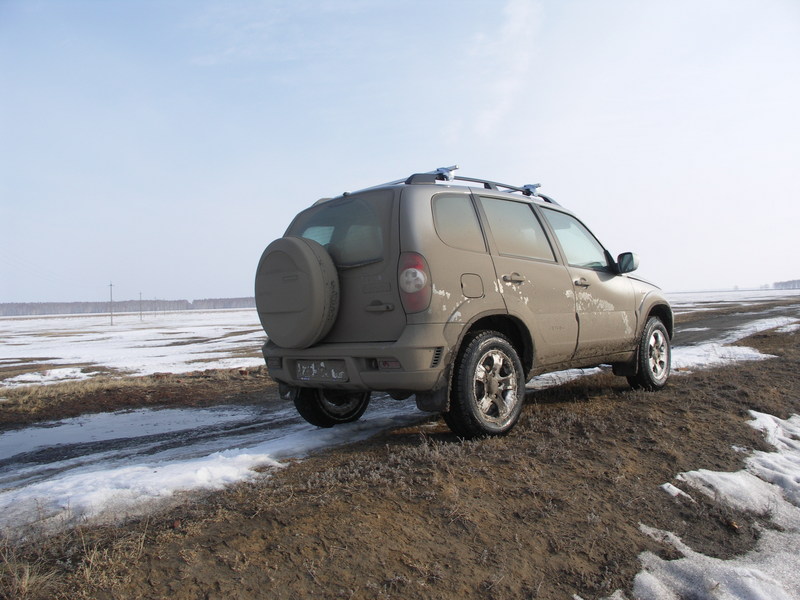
point(53, 458)
point(48, 451)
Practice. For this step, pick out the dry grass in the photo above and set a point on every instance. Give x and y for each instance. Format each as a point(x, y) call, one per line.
point(33, 395)
point(67, 399)
point(43, 567)
point(22, 579)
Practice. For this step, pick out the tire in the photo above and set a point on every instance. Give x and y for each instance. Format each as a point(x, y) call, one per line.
point(326, 408)
point(488, 388)
point(653, 358)
point(297, 292)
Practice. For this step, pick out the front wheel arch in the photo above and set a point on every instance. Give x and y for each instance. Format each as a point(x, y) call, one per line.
point(664, 314)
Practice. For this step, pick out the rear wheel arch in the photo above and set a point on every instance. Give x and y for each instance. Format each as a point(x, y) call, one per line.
point(512, 328)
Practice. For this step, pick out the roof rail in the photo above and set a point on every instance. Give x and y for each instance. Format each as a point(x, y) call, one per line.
point(446, 174)
point(440, 174)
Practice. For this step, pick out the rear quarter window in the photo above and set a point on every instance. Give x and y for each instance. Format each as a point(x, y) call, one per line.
point(456, 222)
point(352, 229)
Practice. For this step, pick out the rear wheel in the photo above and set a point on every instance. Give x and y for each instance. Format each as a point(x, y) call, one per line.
point(326, 408)
point(488, 387)
point(654, 357)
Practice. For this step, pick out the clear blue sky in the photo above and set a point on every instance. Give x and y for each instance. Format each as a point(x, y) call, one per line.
point(163, 144)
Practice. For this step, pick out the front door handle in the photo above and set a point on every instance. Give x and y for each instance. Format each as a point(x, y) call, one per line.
point(513, 278)
point(582, 282)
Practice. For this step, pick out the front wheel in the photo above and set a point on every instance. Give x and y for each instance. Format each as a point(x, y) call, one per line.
point(326, 408)
point(654, 357)
point(488, 388)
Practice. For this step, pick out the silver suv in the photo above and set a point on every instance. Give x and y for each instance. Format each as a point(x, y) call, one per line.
point(452, 289)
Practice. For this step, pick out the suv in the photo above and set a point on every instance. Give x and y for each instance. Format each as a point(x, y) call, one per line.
point(455, 293)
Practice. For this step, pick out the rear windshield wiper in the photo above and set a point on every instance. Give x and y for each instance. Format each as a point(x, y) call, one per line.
point(363, 263)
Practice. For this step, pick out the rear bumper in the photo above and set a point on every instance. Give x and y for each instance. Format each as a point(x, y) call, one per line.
point(414, 363)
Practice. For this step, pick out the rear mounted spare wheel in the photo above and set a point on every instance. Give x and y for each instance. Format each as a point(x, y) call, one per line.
point(297, 292)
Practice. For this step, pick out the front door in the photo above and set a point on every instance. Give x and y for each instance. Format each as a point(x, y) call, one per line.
point(604, 300)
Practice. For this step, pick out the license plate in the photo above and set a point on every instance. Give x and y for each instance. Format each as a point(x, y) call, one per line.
point(321, 370)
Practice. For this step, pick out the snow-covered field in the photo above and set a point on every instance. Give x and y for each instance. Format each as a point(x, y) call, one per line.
point(695, 301)
point(104, 483)
point(74, 347)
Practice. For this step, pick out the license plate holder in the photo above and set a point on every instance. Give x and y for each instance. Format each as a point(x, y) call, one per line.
point(321, 370)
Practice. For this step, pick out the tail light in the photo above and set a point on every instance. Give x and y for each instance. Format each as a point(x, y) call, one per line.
point(414, 281)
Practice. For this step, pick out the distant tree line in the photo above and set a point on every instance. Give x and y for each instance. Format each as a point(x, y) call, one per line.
point(17, 309)
point(787, 285)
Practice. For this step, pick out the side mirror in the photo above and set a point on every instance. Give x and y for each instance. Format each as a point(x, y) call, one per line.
point(627, 262)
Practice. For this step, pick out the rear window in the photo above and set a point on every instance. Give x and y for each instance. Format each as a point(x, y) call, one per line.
point(351, 229)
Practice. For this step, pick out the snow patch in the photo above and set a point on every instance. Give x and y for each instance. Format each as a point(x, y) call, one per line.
point(676, 492)
point(549, 380)
point(105, 484)
point(720, 352)
point(48, 376)
point(704, 356)
point(769, 486)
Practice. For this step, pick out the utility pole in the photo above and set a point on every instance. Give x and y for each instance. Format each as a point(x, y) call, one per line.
point(140, 307)
point(111, 301)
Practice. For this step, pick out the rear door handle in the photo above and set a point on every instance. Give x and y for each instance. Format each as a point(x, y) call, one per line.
point(377, 307)
point(513, 278)
point(582, 282)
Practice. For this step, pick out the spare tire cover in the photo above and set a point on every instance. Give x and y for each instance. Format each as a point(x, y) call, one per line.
point(297, 292)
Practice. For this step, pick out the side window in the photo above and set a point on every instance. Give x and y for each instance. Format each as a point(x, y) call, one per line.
point(456, 222)
point(516, 230)
point(580, 247)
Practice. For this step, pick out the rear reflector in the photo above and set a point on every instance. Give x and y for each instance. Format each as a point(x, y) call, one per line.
point(389, 363)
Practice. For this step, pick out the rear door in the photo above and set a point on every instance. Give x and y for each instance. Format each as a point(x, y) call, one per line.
point(604, 300)
point(360, 234)
point(536, 288)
